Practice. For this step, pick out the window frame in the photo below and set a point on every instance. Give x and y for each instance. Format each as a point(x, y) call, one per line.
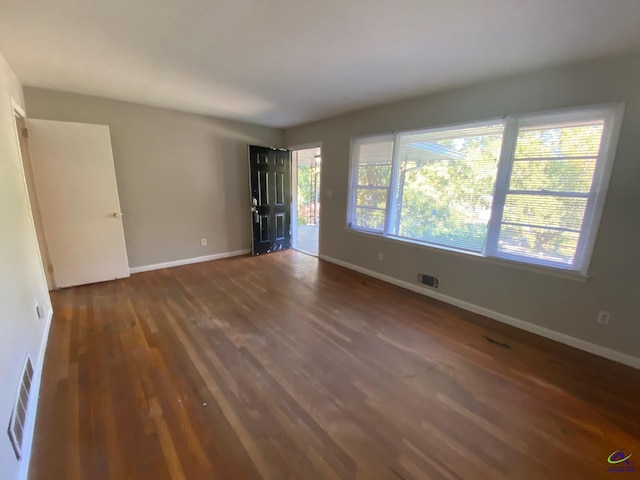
point(396, 166)
point(611, 113)
point(354, 185)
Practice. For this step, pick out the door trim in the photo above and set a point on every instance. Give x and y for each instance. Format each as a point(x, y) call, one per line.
point(19, 112)
point(306, 146)
point(294, 201)
point(17, 108)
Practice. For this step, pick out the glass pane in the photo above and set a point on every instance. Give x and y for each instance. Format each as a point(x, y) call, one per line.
point(553, 175)
point(308, 162)
point(579, 140)
point(541, 245)
point(545, 211)
point(445, 185)
point(373, 156)
point(550, 158)
point(370, 219)
point(371, 197)
point(374, 175)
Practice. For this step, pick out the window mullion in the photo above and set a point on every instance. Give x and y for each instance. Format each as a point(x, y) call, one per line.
point(509, 138)
point(392, 194)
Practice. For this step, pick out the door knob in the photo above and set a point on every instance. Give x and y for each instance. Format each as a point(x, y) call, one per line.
point(116, 214)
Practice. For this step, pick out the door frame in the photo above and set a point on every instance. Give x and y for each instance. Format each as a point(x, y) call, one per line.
point(294, 193)
point(43, 254)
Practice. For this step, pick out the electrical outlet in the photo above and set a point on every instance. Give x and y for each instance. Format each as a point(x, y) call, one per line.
point(203, 242)
point(380, 256)
point(604, 317)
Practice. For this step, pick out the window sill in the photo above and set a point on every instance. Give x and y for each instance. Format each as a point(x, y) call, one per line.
point(549, 271)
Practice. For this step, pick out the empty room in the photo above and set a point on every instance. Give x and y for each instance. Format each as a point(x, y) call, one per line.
point(320, 240)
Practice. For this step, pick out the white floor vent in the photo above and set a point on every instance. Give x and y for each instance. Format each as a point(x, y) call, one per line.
point(19, 412)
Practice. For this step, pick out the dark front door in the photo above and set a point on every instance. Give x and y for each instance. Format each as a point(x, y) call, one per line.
point(270, 198)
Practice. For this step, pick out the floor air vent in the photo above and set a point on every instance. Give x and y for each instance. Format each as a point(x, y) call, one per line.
point(428, 281)
point(19, 412)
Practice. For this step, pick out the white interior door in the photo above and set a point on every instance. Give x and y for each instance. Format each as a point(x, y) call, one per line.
point(76, 184)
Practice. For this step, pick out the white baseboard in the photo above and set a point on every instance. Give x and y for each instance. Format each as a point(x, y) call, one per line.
point(187, 261)
point(34, 400)
point(500, 317)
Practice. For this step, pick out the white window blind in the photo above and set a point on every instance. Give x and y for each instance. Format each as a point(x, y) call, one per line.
point(445, 182)
point(551, 194)
point(529, 188)
point(371, 177)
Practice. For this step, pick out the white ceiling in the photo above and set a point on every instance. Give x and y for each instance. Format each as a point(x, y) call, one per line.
point(286, 62)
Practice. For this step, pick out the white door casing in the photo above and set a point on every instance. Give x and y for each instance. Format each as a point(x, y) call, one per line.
point(76, 184)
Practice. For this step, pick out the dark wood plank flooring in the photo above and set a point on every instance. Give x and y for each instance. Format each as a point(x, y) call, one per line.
point(286, 367)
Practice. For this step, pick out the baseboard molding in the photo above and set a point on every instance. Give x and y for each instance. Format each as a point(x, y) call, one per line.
point(187, 261)
point(34, 397)
point(500, 317)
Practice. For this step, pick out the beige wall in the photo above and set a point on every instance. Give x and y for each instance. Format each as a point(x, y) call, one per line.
point(181, 177)
point(562, 305)
point(22, 281)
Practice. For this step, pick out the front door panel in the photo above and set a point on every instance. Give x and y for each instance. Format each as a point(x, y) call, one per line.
point(270, 171)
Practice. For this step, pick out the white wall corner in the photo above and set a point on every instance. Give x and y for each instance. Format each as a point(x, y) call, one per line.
point(599, 350)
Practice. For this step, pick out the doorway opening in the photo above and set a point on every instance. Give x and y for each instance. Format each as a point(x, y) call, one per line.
point(306, 163)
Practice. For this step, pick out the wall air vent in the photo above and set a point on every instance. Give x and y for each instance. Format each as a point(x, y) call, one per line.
point(428, 281)
point(19, 412)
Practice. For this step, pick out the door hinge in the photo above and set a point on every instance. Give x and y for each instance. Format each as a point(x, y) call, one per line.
point(25, 133)
point(50, 268)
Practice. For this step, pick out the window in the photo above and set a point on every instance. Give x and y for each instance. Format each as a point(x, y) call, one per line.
point(526, 188)
point(445, 185)
point(371, 183)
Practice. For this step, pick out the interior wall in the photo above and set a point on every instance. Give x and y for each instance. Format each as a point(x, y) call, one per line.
point(563, 305)
point(22, 280)
point(181, 177)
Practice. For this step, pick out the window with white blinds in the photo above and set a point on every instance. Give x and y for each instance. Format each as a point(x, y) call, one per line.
point(371, 181)
point(445, 181)
point(526, 188)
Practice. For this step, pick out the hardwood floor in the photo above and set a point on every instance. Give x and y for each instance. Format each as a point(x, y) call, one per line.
point(286, 367)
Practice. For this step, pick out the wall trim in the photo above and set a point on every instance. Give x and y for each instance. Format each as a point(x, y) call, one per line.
point(598, 350)
point(34, 400)
point(187, 261)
